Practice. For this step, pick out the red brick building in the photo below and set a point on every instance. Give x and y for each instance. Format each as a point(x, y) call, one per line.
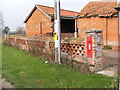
point(95, 15)
point(100, 15)
point(41, 18)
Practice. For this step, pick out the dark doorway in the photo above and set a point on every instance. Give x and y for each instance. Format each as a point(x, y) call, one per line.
point(67, 26)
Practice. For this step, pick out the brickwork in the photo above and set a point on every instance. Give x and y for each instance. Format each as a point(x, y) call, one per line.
point(75, 49)
point(38, 24)
point(36, 45)
point(67, 35)
point(96, 61)
point(63, 35)
point(108, 25)
point(72, 49)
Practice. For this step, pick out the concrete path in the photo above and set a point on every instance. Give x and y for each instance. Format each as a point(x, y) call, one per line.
point(110, 58)
point(110, 64)
point(112, 71)
point(5, 84)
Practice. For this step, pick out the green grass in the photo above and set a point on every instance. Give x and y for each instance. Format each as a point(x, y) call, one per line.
point(0, 59)
point(23, 70)
point(107, 47)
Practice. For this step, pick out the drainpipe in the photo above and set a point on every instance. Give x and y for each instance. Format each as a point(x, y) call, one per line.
point(76, 30)
point(40, 27)
point(106, 30)
point(118, 9)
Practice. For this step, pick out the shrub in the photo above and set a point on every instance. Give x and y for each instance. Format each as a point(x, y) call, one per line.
point(107, 47)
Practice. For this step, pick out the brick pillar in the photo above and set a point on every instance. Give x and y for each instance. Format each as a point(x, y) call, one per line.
point(95, 59)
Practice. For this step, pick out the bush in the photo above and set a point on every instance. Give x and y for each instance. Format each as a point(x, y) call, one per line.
point(107, 47)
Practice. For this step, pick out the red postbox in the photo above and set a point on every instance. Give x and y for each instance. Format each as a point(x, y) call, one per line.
point(89, 47)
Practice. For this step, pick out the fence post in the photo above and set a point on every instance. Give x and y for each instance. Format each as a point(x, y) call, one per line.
point(94, 46)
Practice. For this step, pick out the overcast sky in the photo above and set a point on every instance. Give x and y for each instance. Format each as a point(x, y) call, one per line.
point(15, 11)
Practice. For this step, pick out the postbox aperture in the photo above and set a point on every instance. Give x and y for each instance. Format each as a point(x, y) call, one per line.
point(89, 47)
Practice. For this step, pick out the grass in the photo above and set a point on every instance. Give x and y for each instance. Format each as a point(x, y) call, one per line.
point(107, 47)
point(0, 58)
point(23, 70)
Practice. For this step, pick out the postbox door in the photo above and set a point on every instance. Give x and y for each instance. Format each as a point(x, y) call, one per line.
point(89, 47)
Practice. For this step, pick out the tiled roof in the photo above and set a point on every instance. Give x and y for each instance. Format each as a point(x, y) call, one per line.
point(50, 11)
point(105, 9)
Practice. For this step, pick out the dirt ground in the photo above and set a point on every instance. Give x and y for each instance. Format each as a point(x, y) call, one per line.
point(111, 58)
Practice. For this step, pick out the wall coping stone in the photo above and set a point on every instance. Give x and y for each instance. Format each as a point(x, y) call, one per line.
point(93, 31)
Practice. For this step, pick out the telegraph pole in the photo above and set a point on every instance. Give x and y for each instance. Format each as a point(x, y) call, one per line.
point(1, 22)
point(57, 32)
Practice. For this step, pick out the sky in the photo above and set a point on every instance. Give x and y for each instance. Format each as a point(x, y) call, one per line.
point(14, 12)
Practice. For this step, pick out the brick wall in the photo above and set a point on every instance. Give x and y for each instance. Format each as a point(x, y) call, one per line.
point(67, 35)
point(72, 49)
point(96, 61)
point(38, 23)
point(108, 25)
point(112, 33)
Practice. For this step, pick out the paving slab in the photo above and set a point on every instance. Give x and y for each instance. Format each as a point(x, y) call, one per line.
point(107, 73)
point(111, 71)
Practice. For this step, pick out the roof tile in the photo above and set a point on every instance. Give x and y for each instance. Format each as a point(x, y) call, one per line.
point(99, 9)
point(50, 10)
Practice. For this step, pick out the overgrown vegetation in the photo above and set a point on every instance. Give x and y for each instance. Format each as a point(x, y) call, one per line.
point(23, 70)
point(20, 30)
point(107, 47)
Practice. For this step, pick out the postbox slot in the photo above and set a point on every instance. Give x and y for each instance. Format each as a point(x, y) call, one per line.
point(89, 47)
